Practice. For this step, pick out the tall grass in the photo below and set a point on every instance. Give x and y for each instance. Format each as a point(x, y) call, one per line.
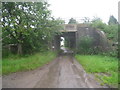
point(16, 63)
point(105, 67)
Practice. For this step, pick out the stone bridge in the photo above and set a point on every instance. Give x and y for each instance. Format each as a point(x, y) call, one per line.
point(74, 32)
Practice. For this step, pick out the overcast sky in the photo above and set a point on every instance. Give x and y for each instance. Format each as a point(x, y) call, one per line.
point(84, 8)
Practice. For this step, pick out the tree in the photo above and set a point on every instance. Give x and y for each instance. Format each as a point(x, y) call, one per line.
point(97, 23)
point(29, 25)
point(110, 30)
point(72, 21)
point(86, 20)
point(112, 20)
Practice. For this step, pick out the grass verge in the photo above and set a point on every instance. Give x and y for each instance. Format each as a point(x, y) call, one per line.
point(15, 63)
point(105, 68)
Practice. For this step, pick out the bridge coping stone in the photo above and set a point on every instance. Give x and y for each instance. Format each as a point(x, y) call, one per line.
point(72, 27)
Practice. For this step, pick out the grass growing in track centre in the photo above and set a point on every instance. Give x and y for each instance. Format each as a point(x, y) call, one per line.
point(16, 63)
point(105, 68)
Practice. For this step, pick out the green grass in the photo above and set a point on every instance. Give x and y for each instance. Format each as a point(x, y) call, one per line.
point(0, 67)
point(16, 63)
point(104, 67)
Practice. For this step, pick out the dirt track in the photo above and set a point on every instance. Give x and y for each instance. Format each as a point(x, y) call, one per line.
point(63, 72)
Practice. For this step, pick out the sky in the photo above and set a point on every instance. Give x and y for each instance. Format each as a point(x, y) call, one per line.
point(79, 9)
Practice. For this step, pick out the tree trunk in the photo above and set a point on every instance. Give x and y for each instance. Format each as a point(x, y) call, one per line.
point(19, 49)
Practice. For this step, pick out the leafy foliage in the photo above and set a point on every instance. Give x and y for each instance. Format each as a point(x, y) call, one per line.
point(110, 30)
point(97, 23)
point(112, 20)
point(29, 25)
point(86, 20)
point(85, 44)
point(72, 21)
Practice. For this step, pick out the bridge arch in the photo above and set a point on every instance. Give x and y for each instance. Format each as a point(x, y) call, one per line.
point(74, 32)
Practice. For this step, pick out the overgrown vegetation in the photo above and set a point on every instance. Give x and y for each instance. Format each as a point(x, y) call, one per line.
point(110, 29)
point(105, 68)
point(85, 44)
point(111, 32)
point(15, 63)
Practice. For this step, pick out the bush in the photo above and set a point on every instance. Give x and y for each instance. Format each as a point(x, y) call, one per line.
point(5, 52)
point(113, 54)
point(85, 44)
